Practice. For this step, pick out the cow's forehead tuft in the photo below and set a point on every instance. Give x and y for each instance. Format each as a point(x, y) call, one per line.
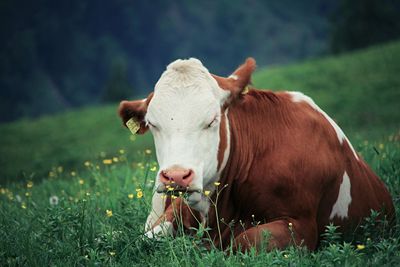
point(187, 65)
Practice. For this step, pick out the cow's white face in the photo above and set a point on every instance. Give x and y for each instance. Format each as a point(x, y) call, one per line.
point(184, 117)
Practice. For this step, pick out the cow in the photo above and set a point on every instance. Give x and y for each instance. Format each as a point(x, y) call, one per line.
point(252, 164)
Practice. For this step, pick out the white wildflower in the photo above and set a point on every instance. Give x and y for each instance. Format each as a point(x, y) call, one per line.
point(53, 200)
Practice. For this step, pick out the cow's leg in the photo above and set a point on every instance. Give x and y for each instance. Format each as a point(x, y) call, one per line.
point(177, 214)
point(157, 209)
point(279, 234)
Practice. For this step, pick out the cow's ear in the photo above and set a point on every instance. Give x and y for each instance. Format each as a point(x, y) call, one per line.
point(133, 113)
point(239, 80)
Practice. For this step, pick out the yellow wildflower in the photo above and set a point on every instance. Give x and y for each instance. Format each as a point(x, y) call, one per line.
point(112, 253)
point(23, 205)
point(174, 197)
point(115, 159)
point(73, 173)
point(153, 169)
point(121, 151)
point(217, 183)
point(207, 193)
point(360, 247)
point(27, 194)
point(381, 146)
point(139, 194)
point(130, 196)
point(109, 213)
point(60, 169)
point(138, 189)
point(87, 163)
point(29, 184)
point(81, 181)
point(107, 161)
point(147, 151)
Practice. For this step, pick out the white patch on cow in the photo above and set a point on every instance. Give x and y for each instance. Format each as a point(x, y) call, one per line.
point(144, 100)
point(157, 209)
point(300, 97)
point(228, 143)
point(341, 207)
point(234, 76)
point(163, 229)
point(186, 100)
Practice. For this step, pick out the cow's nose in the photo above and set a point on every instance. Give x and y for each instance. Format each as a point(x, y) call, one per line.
point(179, 176)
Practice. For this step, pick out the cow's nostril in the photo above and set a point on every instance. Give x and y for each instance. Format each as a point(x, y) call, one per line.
point(187, 175)
point(164, 177)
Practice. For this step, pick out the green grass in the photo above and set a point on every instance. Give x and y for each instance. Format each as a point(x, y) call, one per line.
point(30, 149)
point(79, 231)
point(92, 164)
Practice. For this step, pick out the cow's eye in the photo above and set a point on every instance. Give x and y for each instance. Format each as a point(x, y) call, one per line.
point(212, 123)
point(151, 125)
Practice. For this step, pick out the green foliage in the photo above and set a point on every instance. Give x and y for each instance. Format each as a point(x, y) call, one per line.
point(117, 87)
point(99, 218)
point(331, 235)
point(361, 23)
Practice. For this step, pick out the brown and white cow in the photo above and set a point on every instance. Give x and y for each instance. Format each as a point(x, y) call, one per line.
point(280, 160)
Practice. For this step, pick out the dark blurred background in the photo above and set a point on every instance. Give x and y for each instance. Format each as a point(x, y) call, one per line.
point(57, 55)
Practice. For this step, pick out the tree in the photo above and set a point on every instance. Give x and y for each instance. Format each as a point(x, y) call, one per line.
point(117, 87)
point(360, 23)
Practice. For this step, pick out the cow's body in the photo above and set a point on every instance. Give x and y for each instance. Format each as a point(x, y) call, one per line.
point(284, 167)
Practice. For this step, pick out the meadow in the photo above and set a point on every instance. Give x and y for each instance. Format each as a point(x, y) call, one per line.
point(76, 187)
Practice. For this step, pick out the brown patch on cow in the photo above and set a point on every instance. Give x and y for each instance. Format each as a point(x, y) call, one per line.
point(135, 109)
point(180, 215)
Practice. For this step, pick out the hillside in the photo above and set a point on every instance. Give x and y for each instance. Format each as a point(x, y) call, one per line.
point(359, 90)
point(30, 149)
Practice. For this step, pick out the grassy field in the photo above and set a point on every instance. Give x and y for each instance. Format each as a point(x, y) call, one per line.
point(76, 187)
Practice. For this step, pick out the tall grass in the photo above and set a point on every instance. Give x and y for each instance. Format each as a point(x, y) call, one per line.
point(100, 213)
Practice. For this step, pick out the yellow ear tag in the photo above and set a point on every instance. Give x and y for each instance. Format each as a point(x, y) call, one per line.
point(133, 125)
point(245, 90)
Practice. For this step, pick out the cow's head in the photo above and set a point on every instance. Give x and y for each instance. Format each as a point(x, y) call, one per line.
point(185, 115)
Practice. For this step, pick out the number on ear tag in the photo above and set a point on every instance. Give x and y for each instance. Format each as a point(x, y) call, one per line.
point(133, 125)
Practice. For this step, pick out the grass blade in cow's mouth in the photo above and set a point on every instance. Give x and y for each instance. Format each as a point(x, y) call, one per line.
point(176, 190)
